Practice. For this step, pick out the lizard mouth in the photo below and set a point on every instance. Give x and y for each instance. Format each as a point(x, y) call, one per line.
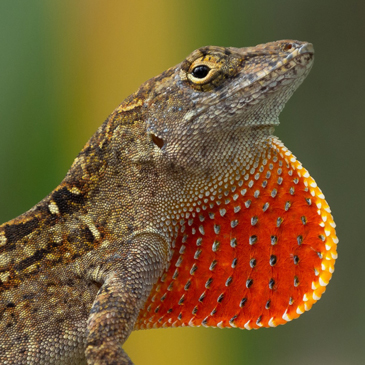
point(300, 56)
point(275, 83)
point(291, 69)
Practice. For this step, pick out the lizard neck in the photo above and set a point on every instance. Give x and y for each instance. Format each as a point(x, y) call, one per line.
point(258, 250)
point(214, 171)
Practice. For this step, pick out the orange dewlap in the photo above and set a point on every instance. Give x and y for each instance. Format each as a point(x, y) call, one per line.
point(258, 257)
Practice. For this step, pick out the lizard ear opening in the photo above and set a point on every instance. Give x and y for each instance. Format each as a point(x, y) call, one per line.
point(159, 142)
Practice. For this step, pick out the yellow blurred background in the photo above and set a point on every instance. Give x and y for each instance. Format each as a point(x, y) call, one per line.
point(65, 65)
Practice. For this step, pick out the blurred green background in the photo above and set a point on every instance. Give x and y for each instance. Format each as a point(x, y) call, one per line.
point(65, 65)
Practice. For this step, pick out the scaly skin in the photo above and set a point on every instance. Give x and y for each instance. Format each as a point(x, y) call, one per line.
point(178, 211)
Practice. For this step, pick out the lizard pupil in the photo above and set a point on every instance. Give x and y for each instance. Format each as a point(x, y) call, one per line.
point(200, 71)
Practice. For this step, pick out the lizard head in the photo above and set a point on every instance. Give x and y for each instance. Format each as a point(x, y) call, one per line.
point(218, 94)
point(250, 86)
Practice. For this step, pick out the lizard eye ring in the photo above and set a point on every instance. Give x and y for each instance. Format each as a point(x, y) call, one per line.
point(203, 72)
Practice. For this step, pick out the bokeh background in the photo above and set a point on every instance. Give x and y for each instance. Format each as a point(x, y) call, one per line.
point(65, 65)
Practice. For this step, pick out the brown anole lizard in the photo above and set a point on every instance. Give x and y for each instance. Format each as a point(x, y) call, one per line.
point(182, 209)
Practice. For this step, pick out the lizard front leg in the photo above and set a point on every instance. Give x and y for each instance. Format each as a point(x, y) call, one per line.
point(128, 280)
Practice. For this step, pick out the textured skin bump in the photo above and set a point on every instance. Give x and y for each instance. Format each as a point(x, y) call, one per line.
point(182, 209)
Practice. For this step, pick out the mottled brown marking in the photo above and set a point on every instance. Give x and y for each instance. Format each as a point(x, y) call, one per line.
point(15, 232)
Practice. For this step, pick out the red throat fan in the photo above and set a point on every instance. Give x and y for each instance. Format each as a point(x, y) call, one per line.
point(257, 256)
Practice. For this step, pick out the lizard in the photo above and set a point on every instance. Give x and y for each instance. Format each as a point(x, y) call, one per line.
point(183, 209)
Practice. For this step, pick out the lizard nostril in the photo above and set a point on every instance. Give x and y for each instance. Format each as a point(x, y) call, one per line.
point(159, 142)
point(288, 47)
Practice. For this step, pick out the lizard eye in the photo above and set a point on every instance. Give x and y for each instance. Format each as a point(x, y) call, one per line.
point(200, 71)
point(203, 73)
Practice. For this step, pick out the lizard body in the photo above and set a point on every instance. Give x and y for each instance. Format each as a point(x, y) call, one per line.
point(182, 209)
